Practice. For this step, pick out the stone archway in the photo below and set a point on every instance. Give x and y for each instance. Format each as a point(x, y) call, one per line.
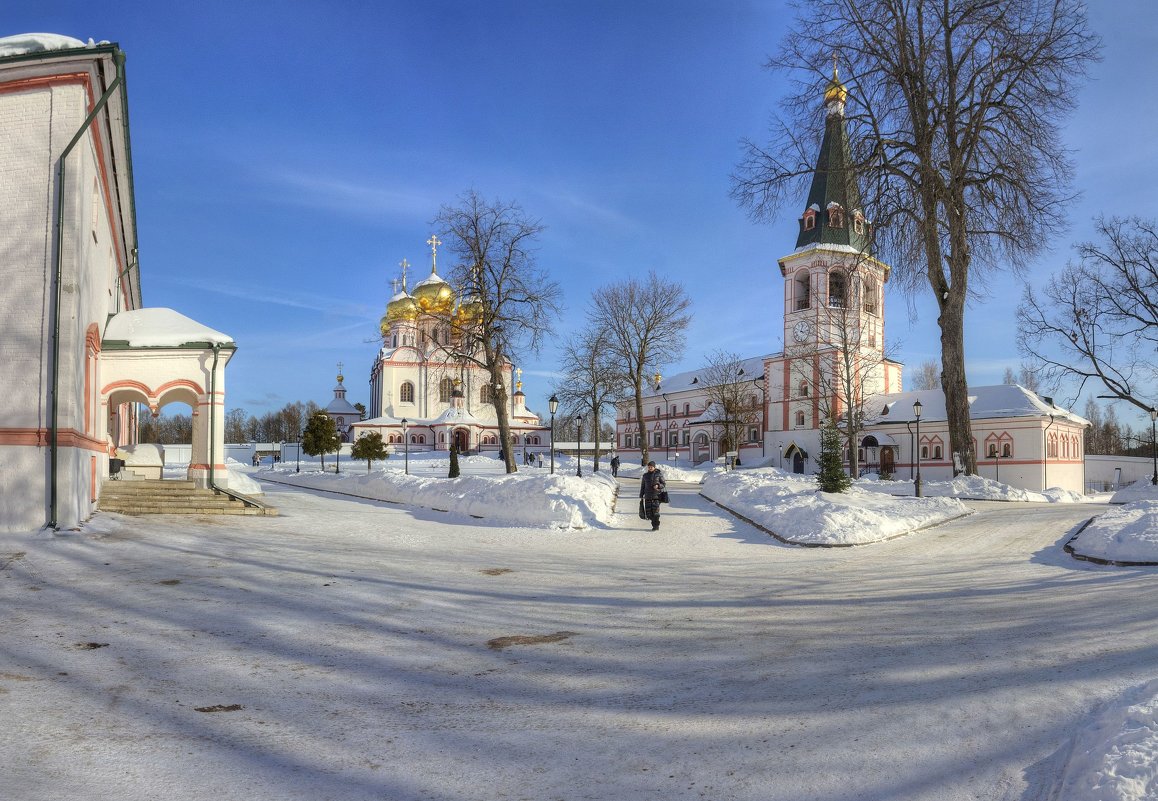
point(157, 356)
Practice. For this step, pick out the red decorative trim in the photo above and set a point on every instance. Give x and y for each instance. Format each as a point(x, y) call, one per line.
point(38, 438)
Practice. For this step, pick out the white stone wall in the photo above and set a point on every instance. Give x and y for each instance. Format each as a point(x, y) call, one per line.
point(36, 123)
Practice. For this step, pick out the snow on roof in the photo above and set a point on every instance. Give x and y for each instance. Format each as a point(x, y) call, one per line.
point(24, 43)
point(160, 328)
point(985, 403)
point(750, 369)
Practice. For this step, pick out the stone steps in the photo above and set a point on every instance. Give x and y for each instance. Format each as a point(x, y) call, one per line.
point(176, 497)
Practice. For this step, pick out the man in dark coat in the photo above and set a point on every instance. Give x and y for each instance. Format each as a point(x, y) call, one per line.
point(649, 489)
point(615, 465)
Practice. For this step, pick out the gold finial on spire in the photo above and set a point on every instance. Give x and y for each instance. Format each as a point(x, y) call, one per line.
point(434, 242)
point(340, 376)
point(405, 265)
point(519, 378)
point(836, 91)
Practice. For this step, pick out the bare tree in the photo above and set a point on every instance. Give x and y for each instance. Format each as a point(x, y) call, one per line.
point(927, 376)
point(508, 303)
point(1025, 377)
point(954, 109)
point(735, 398)
point(645, 323)
point(591, 381)
point(1099, 317)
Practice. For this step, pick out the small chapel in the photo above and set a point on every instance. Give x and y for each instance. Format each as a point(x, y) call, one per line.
point(834, 364)
point(422, 397)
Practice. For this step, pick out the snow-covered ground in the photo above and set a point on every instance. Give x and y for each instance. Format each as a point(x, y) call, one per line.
point(354, 649)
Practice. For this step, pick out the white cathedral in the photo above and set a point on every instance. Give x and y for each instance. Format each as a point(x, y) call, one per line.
point(834, 364)
point(423, 398)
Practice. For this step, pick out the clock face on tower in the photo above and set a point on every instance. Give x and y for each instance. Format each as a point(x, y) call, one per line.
point(801, 331)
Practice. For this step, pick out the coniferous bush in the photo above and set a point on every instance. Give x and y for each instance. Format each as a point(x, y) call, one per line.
point(369, 447)
point(453, 462)
point(832, 477)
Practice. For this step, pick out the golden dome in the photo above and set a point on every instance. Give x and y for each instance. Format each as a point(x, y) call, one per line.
point(836, 91)
point(469, 311)
point(434, 296)
point(400, 307)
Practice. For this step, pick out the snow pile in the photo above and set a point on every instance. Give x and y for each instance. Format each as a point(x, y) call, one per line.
point(794, 509)
point(1126, 534)
point(160, 328)
point(974, 488)
point(1138, 491)
point(671, 472)
point(239, 481)
point(1113, 756)
point(24, 43)
point(530, 499)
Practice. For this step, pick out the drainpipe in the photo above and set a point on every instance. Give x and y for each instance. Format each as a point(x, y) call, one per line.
point(213, 415)
point(1045, 455)
point(54, 415)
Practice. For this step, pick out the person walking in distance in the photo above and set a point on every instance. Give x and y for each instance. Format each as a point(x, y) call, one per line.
point(650, 489)
point(615, 465)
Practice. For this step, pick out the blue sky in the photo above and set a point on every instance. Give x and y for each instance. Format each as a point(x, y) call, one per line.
point(287, 155)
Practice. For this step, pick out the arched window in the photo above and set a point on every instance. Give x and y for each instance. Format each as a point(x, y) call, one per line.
point(687, 408)
point(657, 411)
point(485, 395)
point(442, 436)
point(809, 220)
point(658, 439)
point(836, 289)
point(800, 419)
point(858, 222)
point(835, 216)
point(936, 451)
point(802, 284)
point(924, 451)
point(803, 389)
point(445, 387)
point(406, 393)
point(535, 441)
point(394, 341)
point(1006, 449)
point(687, 437)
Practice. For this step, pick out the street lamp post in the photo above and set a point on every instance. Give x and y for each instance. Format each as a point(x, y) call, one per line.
point(781, 448)
point(301, 435)
point(917, 414)
point(996, 464)
point(553, 404)
point(579, 445)
point(1153, 445)
point(406, 446)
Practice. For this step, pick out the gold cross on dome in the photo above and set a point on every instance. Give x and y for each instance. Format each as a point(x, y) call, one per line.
point(434, 242)
point(405, 265)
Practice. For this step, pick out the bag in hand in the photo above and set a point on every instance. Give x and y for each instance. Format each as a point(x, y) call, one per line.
point(663, 497)
point(642, 511)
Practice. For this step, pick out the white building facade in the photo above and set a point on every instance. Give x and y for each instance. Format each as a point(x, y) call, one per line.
point(81, 352)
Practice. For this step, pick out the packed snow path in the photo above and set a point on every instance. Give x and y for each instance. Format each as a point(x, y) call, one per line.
point(358, 650)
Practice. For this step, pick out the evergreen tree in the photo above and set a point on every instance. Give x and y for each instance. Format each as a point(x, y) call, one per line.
point(321, 436)
point(369, 447)
point(453, 462)
point(832, 477)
